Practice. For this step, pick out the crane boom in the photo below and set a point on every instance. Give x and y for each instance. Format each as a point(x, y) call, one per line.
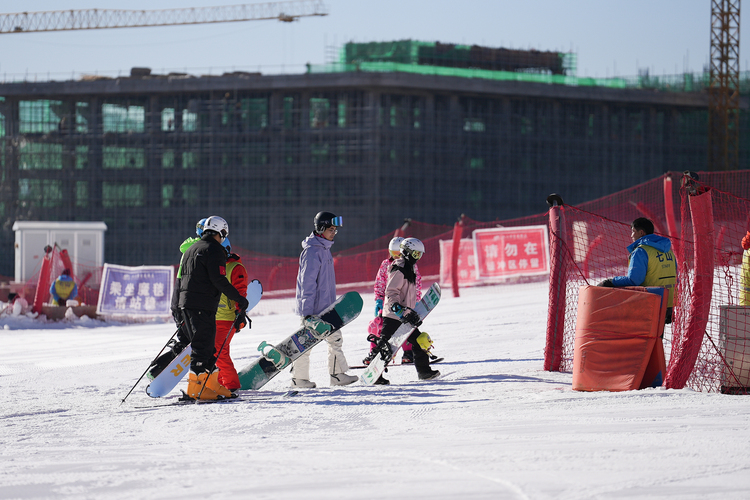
point(91, 19)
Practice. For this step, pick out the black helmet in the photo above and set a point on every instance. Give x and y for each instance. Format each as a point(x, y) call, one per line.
point(324, 220)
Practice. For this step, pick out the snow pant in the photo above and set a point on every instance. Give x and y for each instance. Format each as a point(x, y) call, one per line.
point(405, 347)
point(201, 326)
point(336, 360)
point(421, 358)
point(227, 374)
point(183, 335)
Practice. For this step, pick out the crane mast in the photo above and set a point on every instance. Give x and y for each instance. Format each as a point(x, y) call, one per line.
point(91, 19)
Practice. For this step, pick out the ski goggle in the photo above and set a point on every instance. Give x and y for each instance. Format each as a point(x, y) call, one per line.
point(416, 254)
point(337, 221)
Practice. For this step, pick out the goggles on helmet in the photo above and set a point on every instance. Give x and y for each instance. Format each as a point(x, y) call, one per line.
point(415, 254)
point(337, 221)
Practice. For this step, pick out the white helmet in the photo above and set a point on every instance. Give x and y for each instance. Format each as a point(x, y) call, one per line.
point(413, 248)
point(217, 225)
point(395, 246)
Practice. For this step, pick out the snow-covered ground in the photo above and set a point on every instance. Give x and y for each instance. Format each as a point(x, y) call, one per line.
point(494, 426)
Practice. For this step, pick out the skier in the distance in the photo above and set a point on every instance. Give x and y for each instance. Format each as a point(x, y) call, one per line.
point(315, 291)
point(202, 283)
point(381, 279)
point(400, 299)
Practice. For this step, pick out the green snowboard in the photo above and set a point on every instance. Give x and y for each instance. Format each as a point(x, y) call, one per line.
point(259, 372)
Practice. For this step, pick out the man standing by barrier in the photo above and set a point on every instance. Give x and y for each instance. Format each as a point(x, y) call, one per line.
point(651, 262)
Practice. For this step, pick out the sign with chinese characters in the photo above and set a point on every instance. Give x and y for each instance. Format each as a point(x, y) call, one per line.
point(467, 269)
point(511, 251)
point(136, 291)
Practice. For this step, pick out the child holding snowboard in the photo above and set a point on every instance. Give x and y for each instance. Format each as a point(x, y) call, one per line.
point(381, 279)
point(399, 298)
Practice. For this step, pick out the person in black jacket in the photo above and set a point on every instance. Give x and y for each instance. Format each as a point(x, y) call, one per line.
point(202, 283)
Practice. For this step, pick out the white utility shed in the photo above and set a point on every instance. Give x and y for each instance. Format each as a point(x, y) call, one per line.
point(84, 242)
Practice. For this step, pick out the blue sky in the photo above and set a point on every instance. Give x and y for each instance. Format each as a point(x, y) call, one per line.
point(609, 37)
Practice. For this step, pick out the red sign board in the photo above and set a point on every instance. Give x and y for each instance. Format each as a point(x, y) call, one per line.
point(467, 269)
point(511, 251)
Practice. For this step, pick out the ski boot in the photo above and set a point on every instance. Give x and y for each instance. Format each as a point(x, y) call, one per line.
point(408, 357)
point(212, 390)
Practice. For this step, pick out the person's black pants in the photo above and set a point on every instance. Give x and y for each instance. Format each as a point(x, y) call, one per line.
point(421, 358)
point(201, 326)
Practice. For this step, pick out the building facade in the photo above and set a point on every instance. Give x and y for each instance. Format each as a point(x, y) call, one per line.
point(150, 155)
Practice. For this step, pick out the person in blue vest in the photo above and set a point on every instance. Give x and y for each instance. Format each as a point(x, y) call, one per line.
point(63, 288)
point(651, 262)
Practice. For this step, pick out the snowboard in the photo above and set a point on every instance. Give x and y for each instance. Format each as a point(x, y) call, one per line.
point(273, 359)
point(168, 379)
point(377, 366)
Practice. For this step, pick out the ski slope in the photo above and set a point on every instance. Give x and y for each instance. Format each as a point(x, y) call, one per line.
point(494, 426)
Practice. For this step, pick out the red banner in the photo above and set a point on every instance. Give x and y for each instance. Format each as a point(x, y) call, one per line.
point(467, 269)
point(511, 251)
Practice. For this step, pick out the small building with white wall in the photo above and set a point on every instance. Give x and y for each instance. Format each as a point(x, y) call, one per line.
point(84, 242)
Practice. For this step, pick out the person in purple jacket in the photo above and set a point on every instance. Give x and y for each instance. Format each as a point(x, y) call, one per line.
point(315, 291)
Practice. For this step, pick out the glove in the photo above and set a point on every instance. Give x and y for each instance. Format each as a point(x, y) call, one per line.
point(746, 241)
point(240, 320)
point(378, 307)
point(412, 318)
point(243, 303)
point(607, 283)
point(398, 309)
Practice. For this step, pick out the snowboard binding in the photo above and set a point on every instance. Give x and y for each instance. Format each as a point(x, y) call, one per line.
point(317, 327)
point(276, 357)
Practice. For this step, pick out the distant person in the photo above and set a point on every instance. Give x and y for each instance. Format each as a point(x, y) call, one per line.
point(315, 291)
point(63, 288)
point(651, 262)
point(745, 276)
point(400, 299)
point(202, 283)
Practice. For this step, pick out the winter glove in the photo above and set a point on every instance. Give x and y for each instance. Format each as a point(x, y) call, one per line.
point(243, 303)
point(379, 306)
point(746, 241)
point(607, 283)
point(240, 320)
point(412, 318)
point(398, 309)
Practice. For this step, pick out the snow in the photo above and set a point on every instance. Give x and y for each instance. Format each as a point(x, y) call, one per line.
point(495, 425)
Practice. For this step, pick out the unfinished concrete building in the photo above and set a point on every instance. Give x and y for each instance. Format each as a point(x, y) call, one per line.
point(372, 139)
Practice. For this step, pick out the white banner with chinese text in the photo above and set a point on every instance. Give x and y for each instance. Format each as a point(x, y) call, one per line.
point(136, 291)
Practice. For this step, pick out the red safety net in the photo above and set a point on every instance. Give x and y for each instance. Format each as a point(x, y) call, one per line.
point(707, 344)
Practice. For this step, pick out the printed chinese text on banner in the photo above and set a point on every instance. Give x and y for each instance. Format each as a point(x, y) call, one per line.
point(136, 291)
point(511, 251)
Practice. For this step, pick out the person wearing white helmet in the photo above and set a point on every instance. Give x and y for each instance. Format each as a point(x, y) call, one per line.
point(400, 299)
point(175, 347)
point(381, 279)
point(204, 279)
point(315, 291)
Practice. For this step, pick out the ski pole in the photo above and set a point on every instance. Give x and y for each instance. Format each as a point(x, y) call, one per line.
point(152, 362)
point(237, 325)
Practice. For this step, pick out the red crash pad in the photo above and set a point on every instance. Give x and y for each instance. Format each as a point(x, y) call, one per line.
point(616, 331)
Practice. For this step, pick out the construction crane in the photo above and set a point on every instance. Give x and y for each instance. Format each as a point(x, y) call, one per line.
point(92, 19)
point(724, 89)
